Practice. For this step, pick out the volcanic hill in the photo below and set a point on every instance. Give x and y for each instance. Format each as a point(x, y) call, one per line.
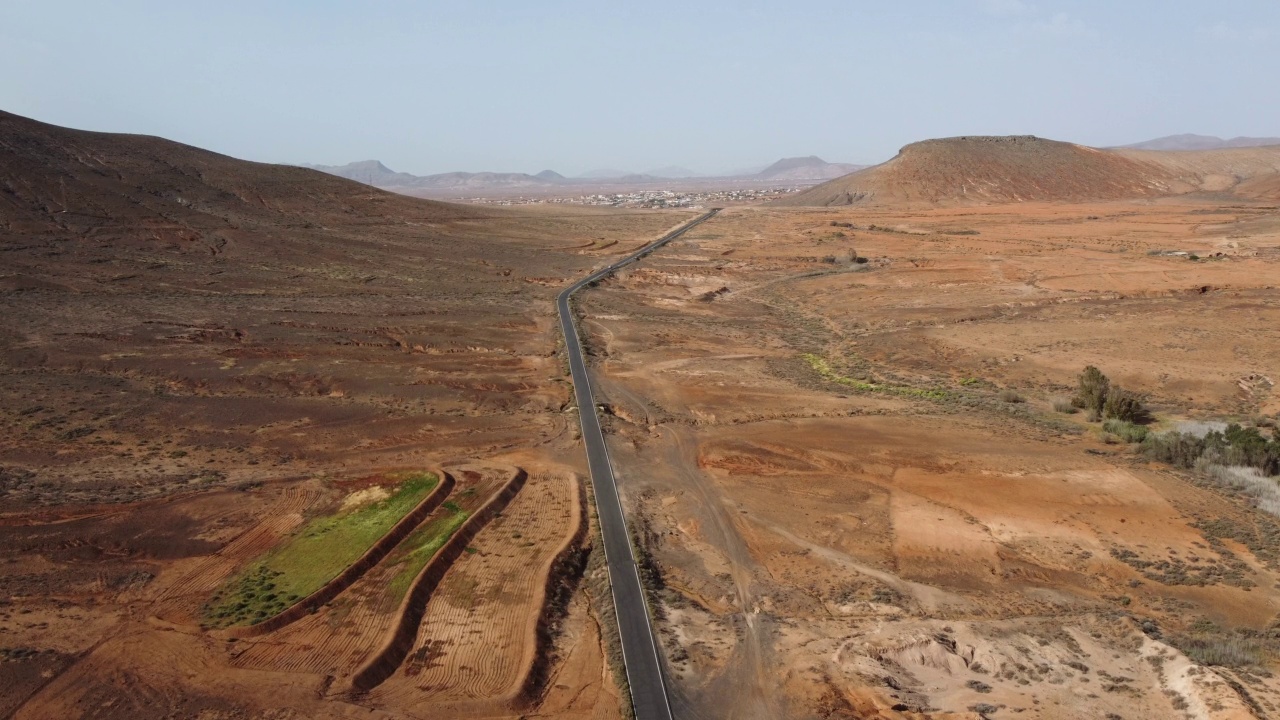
point(998, 169)
point(181, 279)
point(73, 183)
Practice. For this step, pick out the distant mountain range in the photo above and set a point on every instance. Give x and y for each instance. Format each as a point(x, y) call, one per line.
point(373, 172)
point(1201, 142)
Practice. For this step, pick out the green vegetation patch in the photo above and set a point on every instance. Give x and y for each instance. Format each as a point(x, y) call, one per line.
point(823, 368)
point(1126, 431)
point(313, 556)
point(421, 544)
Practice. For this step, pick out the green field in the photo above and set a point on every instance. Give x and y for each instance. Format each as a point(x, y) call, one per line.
point(421, 545)
point(823, 368)
point(314, 555)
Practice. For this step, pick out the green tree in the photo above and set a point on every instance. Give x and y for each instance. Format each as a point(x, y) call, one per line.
point(1091, 394)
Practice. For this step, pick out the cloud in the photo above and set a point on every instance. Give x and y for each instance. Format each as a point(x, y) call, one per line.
point(1223, 31)
point(1029, 19)
point(1007, 8)
point(1065, 26)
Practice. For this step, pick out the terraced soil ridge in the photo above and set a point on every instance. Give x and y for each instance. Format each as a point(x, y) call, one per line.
point(495, 613)
point(566, 566)
point(344, 633)
point(356, 570)
point(401, 638)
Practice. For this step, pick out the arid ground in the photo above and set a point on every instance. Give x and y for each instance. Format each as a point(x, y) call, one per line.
point(207, 365)
point(846, 516)
point(281, 445)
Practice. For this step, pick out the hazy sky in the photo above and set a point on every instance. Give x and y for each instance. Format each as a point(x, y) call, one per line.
point(709, 84)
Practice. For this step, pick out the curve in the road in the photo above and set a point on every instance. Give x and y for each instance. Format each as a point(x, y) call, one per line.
point(649, 698)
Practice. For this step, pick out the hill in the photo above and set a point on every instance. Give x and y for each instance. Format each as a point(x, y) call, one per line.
point(1201, 142)
point(61, 182)
point(672, 171)
point(986, 169)
point(369, 172)
point(806, 168)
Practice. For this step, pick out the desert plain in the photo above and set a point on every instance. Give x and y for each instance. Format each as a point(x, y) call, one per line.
point(842, 432)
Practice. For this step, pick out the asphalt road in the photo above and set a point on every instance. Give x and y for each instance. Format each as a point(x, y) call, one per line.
point(639, 644)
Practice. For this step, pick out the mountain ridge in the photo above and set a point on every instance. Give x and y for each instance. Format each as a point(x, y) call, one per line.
point(1191, 141)
point(377, 174)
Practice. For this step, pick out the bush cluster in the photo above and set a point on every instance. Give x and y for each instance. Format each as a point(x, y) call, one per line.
point(1236, 445)
point(1096, 395)
point(1125, 430)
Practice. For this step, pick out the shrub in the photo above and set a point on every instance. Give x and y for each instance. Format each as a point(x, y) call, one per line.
point(1123, 405)
point(1239, 445)
point(1096, 395)
point(1125, 430)
point(1010, 395)
point(1174, 448)
point(1249, 481)
point(1091, 394)
point(1236, 446)
point(978, 686)
point(1224, 650)
point(1063, 405)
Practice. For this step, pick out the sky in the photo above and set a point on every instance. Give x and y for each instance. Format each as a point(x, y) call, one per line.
point(712, 85)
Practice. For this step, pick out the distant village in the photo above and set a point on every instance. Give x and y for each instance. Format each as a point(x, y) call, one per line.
point(692, 199)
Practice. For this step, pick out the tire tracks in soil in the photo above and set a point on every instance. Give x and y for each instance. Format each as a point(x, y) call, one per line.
point(743, 687)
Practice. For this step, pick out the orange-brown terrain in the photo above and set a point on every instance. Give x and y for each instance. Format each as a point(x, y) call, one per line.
point(838, 431)
point(850, 520)
point(200, 355)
